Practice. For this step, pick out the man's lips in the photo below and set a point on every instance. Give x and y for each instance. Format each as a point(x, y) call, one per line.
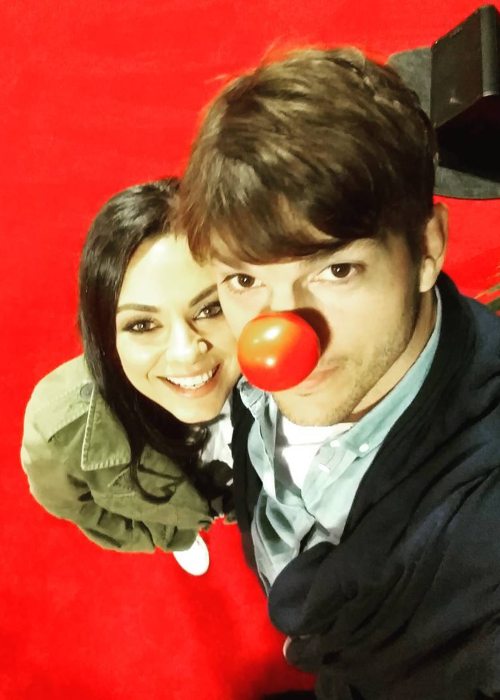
point(314, 380)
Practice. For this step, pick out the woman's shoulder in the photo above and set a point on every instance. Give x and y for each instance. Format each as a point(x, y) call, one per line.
point(61, 397)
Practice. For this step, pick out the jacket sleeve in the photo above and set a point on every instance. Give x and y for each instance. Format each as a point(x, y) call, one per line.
point(61, 488)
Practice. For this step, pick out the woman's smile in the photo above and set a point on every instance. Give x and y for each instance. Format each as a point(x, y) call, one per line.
point(172, 338)
point(195, 385)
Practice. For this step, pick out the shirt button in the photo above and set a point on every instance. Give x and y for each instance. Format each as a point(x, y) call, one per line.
point(334, 443)
point(364, 448)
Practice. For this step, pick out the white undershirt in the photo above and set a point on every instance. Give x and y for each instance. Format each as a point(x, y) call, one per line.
point(219, 441)
point(296, 446)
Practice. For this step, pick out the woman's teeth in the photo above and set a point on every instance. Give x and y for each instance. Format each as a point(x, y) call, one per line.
point(192, 382)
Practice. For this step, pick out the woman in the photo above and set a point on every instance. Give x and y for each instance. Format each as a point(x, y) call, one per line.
point(117, 440)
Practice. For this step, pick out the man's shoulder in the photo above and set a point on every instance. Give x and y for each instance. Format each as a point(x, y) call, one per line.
point(486, 340)
point(470, 330)
point(482, 313)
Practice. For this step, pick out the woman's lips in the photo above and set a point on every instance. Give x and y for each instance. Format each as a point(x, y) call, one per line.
point(197, 389)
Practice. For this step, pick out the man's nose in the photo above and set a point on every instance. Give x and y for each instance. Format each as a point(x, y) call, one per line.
point(289, 298)
point(284, 298)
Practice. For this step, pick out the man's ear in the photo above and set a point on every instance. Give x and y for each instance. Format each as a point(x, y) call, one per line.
point(434, 243)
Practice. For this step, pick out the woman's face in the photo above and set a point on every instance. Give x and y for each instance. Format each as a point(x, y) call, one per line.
point(172, 339)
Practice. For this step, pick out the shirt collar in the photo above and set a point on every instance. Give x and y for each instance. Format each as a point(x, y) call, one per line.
point(105, 442)
point(254, 399)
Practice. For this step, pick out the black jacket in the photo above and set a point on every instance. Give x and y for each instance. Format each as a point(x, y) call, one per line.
point(407, 606)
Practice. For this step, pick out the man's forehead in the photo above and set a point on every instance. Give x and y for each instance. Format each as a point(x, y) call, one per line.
point(223, 255)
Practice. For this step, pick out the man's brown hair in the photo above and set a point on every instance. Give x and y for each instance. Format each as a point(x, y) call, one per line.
point(322, 144)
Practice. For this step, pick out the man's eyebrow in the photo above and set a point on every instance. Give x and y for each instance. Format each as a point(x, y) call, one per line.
point(137, 307)
point(360, 245)
point(230, 261)
point(203, 295)
point(321, 254)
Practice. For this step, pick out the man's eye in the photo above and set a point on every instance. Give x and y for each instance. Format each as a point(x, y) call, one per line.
point(339, 271)
point(142, 326)
point(241, 282)
point(209, 311)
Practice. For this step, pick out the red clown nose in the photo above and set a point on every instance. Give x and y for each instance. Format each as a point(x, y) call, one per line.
point(277, 350)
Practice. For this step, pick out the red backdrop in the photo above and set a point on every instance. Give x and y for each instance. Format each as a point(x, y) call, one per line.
point(95, 96)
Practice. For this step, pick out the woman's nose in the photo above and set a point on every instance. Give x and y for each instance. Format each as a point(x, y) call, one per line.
point(184, 345)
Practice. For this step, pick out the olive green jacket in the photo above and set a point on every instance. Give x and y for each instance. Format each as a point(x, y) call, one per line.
point(75, 454)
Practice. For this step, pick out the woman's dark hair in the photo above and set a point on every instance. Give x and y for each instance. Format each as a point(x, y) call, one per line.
point(128, 219)
point(322, 144)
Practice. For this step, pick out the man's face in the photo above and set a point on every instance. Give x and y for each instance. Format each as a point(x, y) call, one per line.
point(365, 304)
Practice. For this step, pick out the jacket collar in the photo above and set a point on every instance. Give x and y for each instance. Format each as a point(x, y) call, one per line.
point(105, 442)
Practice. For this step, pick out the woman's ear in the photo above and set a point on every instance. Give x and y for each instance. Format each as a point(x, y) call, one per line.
point(434, 243)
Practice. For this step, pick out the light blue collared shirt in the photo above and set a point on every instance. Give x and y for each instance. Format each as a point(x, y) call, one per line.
point(289, 519)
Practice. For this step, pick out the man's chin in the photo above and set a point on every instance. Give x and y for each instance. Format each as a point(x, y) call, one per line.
point(304, 410)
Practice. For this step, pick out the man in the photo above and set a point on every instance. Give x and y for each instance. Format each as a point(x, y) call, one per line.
point(370, 490)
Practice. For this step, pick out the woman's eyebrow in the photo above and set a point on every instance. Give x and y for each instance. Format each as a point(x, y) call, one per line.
point(137, 307)
point(154, 309)
point(202, 295)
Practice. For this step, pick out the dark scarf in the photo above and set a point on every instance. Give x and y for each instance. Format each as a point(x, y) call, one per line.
point(407, 606)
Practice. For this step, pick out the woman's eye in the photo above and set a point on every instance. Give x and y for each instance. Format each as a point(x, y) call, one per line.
point(209, 311)
point(338, 271)
point(143, 326)
point(241, 282)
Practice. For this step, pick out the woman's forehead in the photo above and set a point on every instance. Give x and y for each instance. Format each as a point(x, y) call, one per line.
point(164, 269)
